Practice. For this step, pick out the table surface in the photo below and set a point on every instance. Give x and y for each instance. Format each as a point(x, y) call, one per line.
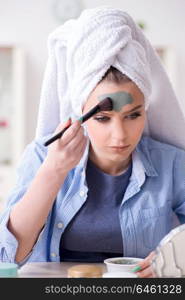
point(51, 269)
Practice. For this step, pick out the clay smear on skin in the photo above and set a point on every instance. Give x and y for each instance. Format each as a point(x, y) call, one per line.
point(119, 99)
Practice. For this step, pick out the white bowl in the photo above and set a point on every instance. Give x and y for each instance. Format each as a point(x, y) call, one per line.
point(121, 264)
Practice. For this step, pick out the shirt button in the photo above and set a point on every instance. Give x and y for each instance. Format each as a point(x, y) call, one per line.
point(53, 254)
point(60, 225)
point(82, 193)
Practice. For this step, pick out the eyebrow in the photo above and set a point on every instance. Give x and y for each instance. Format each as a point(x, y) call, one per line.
point(126, 112)
point(136, 107)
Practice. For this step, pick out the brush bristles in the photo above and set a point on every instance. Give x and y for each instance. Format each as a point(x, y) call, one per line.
point(106, 104)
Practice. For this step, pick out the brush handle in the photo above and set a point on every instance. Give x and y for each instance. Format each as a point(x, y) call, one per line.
point(57, 136)
point(90, 113)
point(84, 118)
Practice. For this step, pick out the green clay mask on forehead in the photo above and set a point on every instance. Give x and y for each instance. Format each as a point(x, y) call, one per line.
point(119, 99)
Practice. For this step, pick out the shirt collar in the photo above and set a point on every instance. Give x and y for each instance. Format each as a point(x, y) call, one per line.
point(83, 162)
point(144, 156)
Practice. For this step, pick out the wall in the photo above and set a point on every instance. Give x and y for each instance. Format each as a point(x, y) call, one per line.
point(28, 23)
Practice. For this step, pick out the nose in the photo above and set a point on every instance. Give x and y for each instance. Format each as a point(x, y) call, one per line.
point(118, 132)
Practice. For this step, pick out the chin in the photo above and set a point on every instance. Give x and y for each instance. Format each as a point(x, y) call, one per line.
point(117, 157)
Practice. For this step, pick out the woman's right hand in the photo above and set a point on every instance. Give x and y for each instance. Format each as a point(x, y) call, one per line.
point(65, 153)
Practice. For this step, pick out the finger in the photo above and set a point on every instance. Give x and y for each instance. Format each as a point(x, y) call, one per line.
point(61, 126)
point(146, 273)
point(147, 261)
point(70, 133)
point(145, 276)
point(78, 151)
point(82, 147)
point(76, 141)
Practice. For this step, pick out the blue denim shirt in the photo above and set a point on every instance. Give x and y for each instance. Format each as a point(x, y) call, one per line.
point(153, 204)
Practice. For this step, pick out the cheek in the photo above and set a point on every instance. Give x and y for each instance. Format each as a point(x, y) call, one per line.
point(96, 133)
point(140, 124)
point(136, 128)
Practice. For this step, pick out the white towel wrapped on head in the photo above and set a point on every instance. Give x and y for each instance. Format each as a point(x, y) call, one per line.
point(80, 53)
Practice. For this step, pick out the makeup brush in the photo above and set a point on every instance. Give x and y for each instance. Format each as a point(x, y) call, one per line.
point(105, 105)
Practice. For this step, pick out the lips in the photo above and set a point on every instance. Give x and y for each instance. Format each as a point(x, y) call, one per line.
point(119, 148)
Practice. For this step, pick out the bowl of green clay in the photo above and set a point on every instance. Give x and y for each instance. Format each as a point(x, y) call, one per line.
point(121, 264)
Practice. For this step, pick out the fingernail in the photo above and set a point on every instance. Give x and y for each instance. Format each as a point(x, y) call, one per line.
point(80, 119)
point(67, 120)
point(135, 269)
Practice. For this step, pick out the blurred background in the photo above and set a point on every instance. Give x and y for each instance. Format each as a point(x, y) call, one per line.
point(24, 28)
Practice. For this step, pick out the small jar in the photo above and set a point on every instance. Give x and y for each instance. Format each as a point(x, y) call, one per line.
point(84, 271)
point(8, 269)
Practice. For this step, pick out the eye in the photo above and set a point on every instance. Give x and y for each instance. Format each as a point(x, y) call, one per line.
point(101, 119)
point(133, 116)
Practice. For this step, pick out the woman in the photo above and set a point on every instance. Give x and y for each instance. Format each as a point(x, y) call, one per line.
point(109, 192)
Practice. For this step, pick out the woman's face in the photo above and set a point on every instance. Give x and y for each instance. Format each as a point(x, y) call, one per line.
point(114, 134)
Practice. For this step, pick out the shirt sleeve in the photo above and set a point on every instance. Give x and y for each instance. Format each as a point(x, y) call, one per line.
point(30, 161)
point(179, 186)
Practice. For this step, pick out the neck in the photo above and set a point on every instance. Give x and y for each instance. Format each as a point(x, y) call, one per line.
point(108, 166)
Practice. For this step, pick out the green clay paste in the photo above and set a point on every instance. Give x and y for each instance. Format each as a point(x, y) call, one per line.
point(119, 99)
